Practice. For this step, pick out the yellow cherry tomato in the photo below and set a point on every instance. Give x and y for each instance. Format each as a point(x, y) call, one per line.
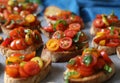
point(53, 44)
point(30, 18)
point(102, 42)
point(29, 39)
point(99, 34)
point(13, 59)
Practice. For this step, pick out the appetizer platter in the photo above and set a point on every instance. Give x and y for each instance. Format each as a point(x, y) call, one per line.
point(27, 55)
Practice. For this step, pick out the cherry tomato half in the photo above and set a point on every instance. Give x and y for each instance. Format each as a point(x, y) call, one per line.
point(31, 68)
point(75, 26)
point(105, 56)
point(65, 43)
point(12, 70)
point(6, 42)
point(85, 71)
point(58, 34)
point(52, 44)
point(91, 58)
point(48, 29)
point(70, 33)
point(98, 23)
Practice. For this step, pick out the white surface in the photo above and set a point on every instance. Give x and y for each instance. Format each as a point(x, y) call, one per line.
point(56, 73)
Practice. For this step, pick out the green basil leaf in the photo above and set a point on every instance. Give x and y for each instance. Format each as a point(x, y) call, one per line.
point(104, 19)
point(71, 62)
point(111, 30)
point(68, 75)
point(87, 60)
point(108, 68)
point(58, 22)
point(76, 38)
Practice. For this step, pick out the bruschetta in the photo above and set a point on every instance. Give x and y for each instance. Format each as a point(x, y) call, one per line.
point(107, 39)
point(25, 20)
point(59, 18)
point(21, 40)
point(93, 66)
point(102, 21)
point(64, 45)
point(25, 68)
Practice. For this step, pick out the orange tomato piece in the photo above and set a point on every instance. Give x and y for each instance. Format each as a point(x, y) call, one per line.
point(31, 68)
point(75, 26)
point(12, 70)
point(22, 72)
point(13, 60)
point(21, 44)
point(30, 18)
point(29, 56)
point(53, 44)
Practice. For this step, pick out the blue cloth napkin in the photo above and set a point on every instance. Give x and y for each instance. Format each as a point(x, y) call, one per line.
point(87, 9)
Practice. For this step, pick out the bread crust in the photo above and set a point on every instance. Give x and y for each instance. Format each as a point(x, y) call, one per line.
point(5, 51)
point(118, 51)
point(96, 78)
point(109, 50)
point(59, 56)
point(93, 30)
point(33, 79)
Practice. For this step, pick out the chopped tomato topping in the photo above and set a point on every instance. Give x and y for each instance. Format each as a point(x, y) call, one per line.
point(65, 43)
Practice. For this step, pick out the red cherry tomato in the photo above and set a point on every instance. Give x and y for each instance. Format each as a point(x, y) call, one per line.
point(65, 43)
point(70, 33)
point(17, 33)
point(22, 72)
point(12, 70)
point(99, 16)
point(31, 68)
point(100, 64)
point(105, 56)
point(93, 61)
point(18, 44)
point(13, 45)
point(98, 39)
point(112, 19)
point(60, 26)
point(98, 23)
point(85, 71)
point(6, 42)
point(75, 26)
point(48, 29)
point(21, 44)
point(29, 56)
point(58, 34)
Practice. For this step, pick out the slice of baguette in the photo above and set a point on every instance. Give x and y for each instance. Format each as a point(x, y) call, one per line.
point(99, 77)
point(33, 79)
point(93, 30)
point(118, 51)
point(60, 56)
point(109, 50)
point(52, 11)
point(5, 51)
point(47, 34)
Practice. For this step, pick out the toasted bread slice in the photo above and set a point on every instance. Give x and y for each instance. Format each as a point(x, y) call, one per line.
point(52, 11)
point(33, 79)
point(60, 56)
point(96, 78)
point(118, 51)
point(5, 51)
point(109, 50)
